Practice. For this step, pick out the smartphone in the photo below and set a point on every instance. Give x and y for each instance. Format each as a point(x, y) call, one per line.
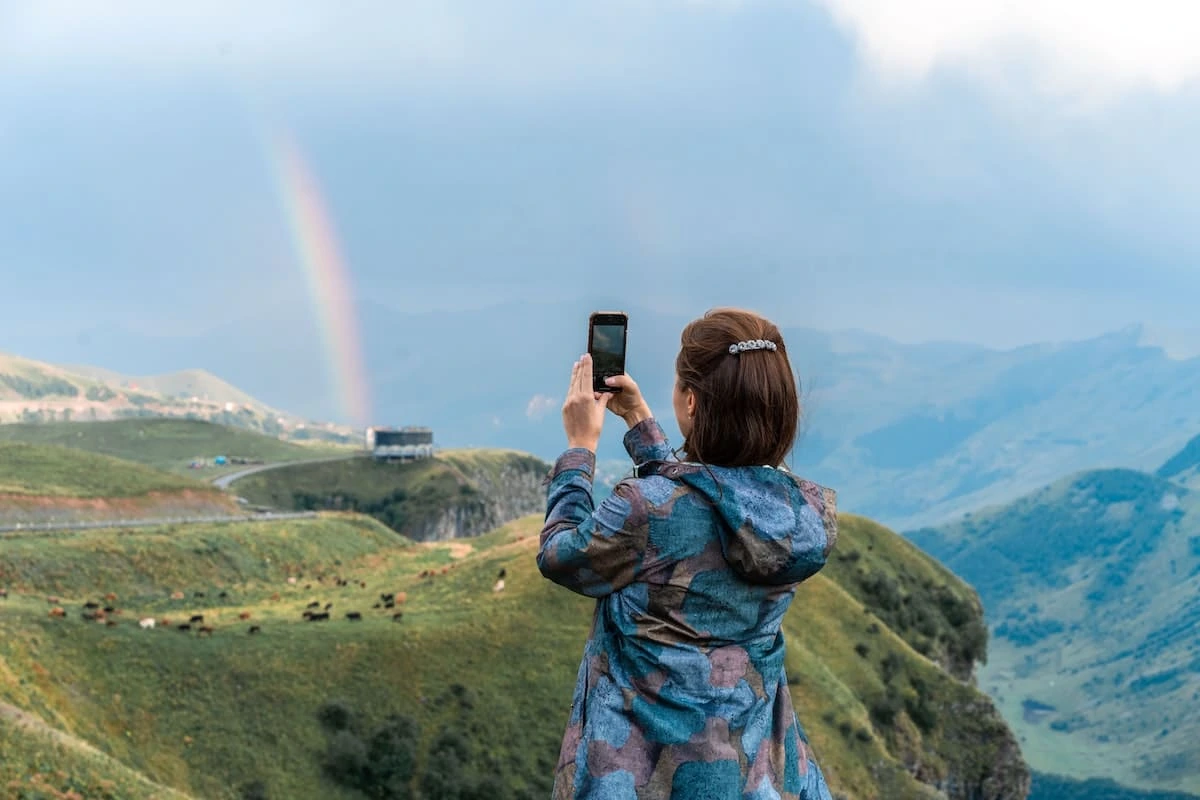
point(607, 331)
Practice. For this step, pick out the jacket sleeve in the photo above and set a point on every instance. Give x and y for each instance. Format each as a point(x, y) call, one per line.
point(647, 441)
point(591, 551)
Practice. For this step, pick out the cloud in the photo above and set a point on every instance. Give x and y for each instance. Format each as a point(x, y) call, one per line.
point(539, 405)
point(1094, 47)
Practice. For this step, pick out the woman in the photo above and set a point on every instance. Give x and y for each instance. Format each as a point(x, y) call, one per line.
point(682, 692)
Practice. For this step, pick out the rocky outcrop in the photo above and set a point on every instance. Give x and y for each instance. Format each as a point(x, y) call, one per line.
point(494, 488)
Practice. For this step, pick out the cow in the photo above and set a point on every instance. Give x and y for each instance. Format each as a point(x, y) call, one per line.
point(353, 615)
point(244, 615)
point(176, 595)
point(204, 630)
point(53, 600)
point(401, 597)
point(503, 573)
point(313, 604)
point(319, 617)
point(58, 611)
point(91, 605)
point(255, 629)
point(147, 623)
point(197, 618)
point(184, 627)
point(499, 587)
point(109, 610)
point(292, 581)
point(377, 605)
point(112, 623)
point(110, 597)
point(399, 615)
point(198, 594)
point(223, 595)
point(328, 606)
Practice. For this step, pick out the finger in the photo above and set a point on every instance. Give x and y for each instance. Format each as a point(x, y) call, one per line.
point(585, 378)
point(574, 378)
point(623, 382)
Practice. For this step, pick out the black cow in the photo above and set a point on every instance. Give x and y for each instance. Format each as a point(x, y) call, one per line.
point(90, 605)
point(399, 615)
point(185, 627)
point(354, 615)
point(503, 572)
point(197, 618)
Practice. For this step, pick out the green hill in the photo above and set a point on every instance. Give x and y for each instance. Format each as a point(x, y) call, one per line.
point(457, 493)
point(1092, 591)
point(481, 680)
point(166, 443)
point(47, 470)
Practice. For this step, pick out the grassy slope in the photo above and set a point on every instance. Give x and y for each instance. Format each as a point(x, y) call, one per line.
point(207, 714)
point(44, 470)
point(404, 496)
point(1091, 587)
point(167, 444)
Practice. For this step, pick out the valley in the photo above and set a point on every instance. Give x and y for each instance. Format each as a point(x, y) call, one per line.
point(1090, 586)
point(473, 683)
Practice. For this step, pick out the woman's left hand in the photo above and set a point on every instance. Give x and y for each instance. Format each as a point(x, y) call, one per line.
point(583, 410)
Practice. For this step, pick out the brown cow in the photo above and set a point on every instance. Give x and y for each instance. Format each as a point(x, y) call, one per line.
point(244, 615)
point(205, 629)
point(58, 611)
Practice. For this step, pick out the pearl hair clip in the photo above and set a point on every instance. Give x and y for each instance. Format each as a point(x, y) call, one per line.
point(752, 344)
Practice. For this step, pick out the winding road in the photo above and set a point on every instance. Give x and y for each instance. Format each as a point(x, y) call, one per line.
point(225, 481)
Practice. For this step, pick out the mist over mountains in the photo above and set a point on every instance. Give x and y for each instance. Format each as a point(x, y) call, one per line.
point(911, 434)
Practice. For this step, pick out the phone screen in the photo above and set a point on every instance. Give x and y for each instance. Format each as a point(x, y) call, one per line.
point(606, 344)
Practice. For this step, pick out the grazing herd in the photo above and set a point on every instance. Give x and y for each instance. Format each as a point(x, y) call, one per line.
point(107, 612)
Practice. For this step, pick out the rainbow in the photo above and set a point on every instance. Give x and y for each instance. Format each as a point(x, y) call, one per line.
point(326, 276)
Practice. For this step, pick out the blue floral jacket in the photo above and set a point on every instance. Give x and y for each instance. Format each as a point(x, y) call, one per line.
point(681, 693)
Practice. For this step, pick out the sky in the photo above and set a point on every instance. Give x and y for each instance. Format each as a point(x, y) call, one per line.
point(997, 171)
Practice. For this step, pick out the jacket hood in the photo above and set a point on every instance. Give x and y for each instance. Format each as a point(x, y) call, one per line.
point(777, 528)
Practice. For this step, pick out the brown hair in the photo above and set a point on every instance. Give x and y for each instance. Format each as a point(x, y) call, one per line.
point(747, 404)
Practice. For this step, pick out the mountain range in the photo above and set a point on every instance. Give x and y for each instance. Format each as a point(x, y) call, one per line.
point(33, 392)
point(910, 434)
point(1091, 590)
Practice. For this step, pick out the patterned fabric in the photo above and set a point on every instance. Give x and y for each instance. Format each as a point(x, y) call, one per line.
point(681, 693)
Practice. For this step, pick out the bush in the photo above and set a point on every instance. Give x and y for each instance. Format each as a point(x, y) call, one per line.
point(335, 716)
point(255, 790)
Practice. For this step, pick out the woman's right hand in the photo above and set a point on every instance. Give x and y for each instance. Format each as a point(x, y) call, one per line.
point(628, 404)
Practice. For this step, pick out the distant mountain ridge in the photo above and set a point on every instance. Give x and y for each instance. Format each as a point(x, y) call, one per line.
point(1091, 587)
point(32, 391)
point(910, 434)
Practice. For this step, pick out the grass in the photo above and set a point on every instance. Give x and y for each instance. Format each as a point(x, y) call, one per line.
point(167, 444)
point(43, 470)
point(207, 715)
point(413, 497)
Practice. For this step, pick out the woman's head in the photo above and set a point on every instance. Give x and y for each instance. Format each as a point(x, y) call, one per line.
point(734, 409)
